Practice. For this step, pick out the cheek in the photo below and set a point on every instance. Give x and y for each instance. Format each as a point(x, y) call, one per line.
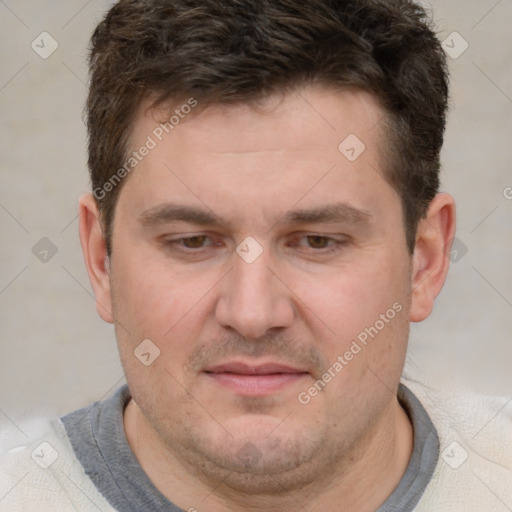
point(158, 307)
point(154, 298)
point(358, 317)
point(350, 298)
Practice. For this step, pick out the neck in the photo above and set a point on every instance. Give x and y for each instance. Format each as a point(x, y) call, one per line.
point(361, 482)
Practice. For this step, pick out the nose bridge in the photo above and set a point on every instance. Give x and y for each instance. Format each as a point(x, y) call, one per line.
point(252, 279)
point(251, 301)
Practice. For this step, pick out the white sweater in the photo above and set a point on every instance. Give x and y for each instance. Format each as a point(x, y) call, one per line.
point(473, 474)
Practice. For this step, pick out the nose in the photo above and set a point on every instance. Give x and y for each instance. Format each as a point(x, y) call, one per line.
point(252, 299)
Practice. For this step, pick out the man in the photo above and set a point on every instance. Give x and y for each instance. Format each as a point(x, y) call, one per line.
point(264, 225)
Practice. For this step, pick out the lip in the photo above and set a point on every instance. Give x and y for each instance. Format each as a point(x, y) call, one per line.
point(241, 368)
point(255, 379)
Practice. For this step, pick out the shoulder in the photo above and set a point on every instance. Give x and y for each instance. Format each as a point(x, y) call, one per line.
point(44, 475)
point(474, 470)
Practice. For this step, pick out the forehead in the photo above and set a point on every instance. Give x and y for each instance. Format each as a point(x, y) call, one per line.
point(314, 110)
point(305, 146)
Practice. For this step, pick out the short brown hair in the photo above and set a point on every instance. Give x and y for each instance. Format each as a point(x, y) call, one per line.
point(233, 51)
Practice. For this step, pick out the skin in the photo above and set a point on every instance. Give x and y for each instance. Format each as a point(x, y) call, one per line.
point(301, 303)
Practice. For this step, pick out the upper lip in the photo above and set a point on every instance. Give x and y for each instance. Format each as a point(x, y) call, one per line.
point(253, 369)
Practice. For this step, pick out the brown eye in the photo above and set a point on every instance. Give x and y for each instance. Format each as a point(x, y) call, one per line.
point(318, 241)
point(194, 242)
point(318, 244)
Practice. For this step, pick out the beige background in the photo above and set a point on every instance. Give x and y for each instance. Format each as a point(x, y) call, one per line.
point(57, 355)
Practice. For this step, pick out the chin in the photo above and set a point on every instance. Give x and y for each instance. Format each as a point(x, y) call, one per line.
point(257, 458)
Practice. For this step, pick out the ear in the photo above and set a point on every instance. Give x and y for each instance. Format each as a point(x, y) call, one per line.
point(431, 258)
point(95, 255)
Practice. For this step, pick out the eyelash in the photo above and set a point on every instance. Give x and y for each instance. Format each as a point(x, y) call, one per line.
point(335, 244)
point(178, 240)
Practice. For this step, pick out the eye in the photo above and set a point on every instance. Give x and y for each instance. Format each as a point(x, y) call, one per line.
point(188, 244)
point(193, 242)
point(318, 243)
point(192, 248)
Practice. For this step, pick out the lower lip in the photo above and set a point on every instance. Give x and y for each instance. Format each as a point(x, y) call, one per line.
point(256, 385)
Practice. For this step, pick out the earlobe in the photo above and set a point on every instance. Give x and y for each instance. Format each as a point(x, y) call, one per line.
point(95, 255)
point(431, 258)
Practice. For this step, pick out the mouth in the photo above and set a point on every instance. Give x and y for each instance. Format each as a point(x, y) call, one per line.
point(255, 380)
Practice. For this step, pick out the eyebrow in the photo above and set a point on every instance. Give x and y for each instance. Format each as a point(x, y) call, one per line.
point(332, 213)
point(166, 213)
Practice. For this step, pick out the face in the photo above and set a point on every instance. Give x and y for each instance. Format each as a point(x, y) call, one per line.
point(269, 266)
